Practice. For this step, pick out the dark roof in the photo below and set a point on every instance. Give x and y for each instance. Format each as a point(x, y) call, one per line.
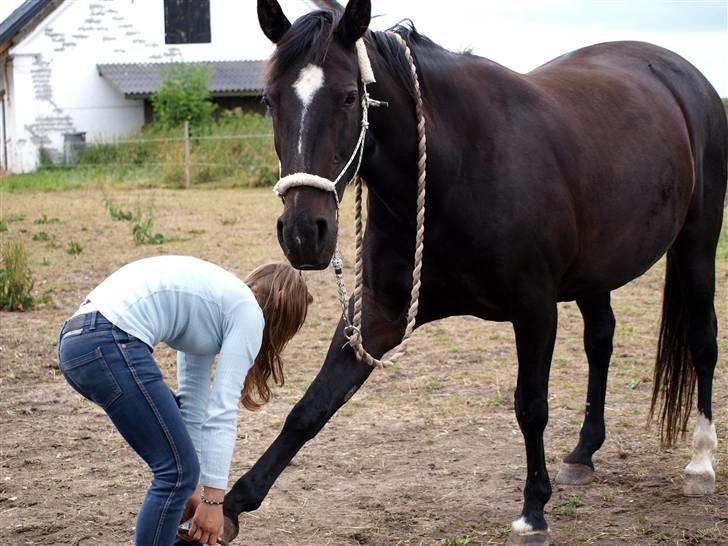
point(229, 78)
point(17, 20)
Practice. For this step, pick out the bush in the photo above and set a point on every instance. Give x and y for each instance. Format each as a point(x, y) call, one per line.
point(16, 279)
point(184, 95)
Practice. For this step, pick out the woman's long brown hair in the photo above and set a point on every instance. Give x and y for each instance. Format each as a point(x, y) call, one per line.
point(283, 296)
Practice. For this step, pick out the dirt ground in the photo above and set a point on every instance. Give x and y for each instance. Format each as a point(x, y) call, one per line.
point(426, 453)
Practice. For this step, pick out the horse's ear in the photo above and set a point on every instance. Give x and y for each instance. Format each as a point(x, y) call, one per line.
point(272, 20)
point(355, 21)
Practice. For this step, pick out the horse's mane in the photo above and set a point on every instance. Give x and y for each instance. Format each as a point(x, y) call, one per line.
point(312, 34)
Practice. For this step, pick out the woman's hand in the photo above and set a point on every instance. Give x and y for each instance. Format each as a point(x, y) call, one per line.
point(208, 522)
point(191, 505)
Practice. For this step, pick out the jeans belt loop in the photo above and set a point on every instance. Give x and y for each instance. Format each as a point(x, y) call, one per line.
point(92, 322)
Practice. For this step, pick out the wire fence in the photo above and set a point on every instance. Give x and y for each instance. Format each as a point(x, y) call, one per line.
point(245, 158)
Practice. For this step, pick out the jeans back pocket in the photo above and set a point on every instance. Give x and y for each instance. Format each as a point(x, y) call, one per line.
point(90, 376)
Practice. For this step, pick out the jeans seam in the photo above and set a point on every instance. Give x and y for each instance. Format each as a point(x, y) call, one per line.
point(167, 434)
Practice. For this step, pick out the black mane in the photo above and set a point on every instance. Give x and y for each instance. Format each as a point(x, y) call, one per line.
point(312, 34)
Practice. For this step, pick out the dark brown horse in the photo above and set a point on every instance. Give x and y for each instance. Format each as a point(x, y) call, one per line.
point(562, 184)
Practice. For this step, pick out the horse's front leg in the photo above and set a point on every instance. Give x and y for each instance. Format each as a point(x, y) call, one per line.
point(535, 336)
point(336, 382)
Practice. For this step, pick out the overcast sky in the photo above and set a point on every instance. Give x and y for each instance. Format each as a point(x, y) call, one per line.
point(523, 34)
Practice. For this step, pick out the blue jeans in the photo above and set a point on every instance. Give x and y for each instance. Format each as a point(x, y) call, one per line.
point(117, 371)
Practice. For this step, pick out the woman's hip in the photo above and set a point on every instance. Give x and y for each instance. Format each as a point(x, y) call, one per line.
point(99, 360)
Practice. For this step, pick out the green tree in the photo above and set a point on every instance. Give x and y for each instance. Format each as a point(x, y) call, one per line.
point(184, 95)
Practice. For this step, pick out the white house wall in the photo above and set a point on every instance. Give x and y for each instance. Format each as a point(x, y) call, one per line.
point(56, 88)
point(3, 120)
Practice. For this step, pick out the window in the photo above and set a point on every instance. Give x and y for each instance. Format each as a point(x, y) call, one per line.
point(187, 21)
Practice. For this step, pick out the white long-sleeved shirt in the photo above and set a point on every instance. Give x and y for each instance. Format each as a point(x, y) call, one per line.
point(200, 310)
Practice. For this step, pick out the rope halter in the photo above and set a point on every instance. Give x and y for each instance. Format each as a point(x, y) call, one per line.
point(352, 327)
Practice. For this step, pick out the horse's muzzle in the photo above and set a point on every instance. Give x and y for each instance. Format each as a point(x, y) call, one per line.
point(307, 243)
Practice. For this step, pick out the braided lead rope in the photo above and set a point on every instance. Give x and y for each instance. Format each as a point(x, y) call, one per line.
point(353, 329)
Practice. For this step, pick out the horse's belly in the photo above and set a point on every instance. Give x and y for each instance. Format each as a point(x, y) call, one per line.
point(628, 237)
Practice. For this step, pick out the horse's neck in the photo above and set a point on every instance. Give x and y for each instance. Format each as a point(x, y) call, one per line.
point(390, 164)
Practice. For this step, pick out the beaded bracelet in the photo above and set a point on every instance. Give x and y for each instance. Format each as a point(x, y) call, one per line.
point(210, 502)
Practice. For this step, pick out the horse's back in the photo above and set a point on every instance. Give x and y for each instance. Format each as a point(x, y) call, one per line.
point(642, 120)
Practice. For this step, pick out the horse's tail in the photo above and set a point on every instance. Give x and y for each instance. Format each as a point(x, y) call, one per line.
point(674, 380)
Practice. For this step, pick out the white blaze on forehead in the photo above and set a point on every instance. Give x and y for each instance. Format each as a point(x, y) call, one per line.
point(309, 82)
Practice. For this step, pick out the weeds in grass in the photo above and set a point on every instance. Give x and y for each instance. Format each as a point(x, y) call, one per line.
point(3, 225)
point(45, 220)
point(74, 248)
point(434, 386)
point(464, 541)
point(44, 262)
point(41, 236)
point(568, 508)
point(16, 279)
point(664, 536)
point(722, 250)
point(14, 218)
point(117, 213)
point(502, 532)
point(228, 221)
point(495, 402)
point(142, 230)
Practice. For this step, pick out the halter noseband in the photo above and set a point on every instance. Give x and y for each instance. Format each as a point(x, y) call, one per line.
point(319, 182)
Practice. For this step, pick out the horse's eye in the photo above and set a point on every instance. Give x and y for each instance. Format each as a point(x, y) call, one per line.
point(265, 100)
point(350, 99)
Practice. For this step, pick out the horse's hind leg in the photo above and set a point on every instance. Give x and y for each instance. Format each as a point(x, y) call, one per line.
point(578, 468)
point(692, 261)
point(696, 268)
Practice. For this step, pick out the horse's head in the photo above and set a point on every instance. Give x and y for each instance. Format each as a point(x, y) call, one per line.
point(314, 94)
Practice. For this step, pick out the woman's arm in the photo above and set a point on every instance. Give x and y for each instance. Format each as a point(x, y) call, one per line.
point(241, 342)
point(193, 381)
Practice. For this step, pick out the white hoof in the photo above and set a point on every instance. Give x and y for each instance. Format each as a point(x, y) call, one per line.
point(699, 474)
point(574, 474)
point(535, 538)
point(698, 485)
point(523, 534)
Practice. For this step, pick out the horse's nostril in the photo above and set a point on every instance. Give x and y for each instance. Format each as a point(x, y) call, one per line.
point(322, 226)
point(279, 229)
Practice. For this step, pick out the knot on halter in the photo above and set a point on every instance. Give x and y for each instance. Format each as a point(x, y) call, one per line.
point(319, 182)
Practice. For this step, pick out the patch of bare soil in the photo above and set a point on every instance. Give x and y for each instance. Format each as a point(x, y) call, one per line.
point(426, 453)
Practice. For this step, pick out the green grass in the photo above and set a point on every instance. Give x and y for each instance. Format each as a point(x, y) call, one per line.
point(45, 220)
point(142, 230)
point(117, 213)
point(568, 508)
point(464, 541)
point(16, 279)
point(722, 250)
point(74, 247)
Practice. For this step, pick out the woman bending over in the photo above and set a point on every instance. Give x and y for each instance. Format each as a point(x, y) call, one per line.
point(201, 310)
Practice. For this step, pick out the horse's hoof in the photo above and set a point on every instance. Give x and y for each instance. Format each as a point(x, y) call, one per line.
point(698, 485)
point(574, 474)
point(230, 531)
point(534, 538)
